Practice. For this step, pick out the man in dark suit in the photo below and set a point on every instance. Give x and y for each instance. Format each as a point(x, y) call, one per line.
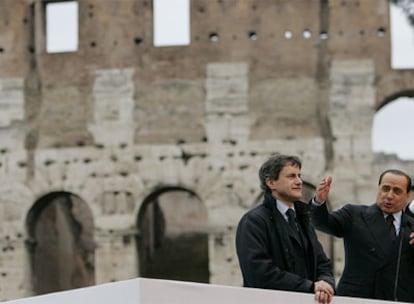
point(379, 255)
point(277, 254)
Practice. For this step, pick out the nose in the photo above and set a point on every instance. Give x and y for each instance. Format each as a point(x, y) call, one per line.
point(390, 194)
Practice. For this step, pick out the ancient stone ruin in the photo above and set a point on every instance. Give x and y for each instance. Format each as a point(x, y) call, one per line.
point(124, 159)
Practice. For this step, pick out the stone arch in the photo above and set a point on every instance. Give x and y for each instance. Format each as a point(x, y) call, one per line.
point(60, 243)
point(394, 96)
point(392, 121)
point(172, 239)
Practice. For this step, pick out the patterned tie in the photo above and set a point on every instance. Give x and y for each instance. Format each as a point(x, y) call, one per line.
point(391, 228)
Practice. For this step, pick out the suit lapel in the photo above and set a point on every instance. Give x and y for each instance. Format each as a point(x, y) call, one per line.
point(376, 225)
point(295, 236)
point(405, 230)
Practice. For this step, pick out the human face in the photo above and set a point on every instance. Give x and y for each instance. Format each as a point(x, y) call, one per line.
point(288, 187)
point(392, 193)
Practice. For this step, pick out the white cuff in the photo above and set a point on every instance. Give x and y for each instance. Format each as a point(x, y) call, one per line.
point(315, 203)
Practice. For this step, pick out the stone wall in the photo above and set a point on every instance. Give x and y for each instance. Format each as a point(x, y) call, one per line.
point(119, 119)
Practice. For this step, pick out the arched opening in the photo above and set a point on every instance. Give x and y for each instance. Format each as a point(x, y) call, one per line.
point(60, 244)
point(392, 126)
point(172, 239)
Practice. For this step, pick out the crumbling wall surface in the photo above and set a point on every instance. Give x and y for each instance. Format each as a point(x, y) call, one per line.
point(119, 119)
point(15, 29)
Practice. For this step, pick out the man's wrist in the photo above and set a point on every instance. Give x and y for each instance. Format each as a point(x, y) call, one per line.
point(315, 202)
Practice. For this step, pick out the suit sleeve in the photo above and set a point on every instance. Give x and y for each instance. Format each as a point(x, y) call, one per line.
point(334, 223)
point(257, 263)
point(324, 266)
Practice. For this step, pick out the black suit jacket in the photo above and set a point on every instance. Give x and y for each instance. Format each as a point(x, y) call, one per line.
point(268, 250)
point(375, 267)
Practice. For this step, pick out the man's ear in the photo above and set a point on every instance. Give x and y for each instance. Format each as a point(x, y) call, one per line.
point(270, 183)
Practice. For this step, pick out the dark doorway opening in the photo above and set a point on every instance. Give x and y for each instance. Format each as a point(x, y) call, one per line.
point(172, 240)
point(60, 244)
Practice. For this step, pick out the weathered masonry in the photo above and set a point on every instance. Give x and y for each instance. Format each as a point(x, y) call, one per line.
point(122, 159)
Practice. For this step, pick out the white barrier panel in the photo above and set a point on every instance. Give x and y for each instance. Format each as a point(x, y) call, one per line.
point(152, 291)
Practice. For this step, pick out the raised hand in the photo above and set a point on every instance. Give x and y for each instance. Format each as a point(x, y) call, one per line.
point(322, 190)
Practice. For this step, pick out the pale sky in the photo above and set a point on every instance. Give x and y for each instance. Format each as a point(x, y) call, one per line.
point(62, 17)
point(171, 22)
point(392, 124)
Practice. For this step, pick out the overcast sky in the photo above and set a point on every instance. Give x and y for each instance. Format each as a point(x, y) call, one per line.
point(392, 124)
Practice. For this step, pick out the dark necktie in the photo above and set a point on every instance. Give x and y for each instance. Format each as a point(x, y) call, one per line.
point(292, 219)
point(391, 228)
point(291, 215)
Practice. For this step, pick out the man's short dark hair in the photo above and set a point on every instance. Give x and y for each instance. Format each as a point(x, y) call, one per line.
point(272, 167)
point(397, 172)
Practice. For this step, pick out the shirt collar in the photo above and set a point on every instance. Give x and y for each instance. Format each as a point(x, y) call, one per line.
point(282, 207)
point(397, 219)
point(397, 215)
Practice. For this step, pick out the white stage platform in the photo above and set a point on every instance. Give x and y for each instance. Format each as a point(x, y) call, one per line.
point(152, 291)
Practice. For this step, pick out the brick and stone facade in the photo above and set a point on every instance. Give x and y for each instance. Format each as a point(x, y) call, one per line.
point(111, 124)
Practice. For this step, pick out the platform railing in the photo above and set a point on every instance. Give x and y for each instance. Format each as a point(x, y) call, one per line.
point(154, 291)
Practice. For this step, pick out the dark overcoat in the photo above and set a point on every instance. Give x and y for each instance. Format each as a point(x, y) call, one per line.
point(267, 250)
